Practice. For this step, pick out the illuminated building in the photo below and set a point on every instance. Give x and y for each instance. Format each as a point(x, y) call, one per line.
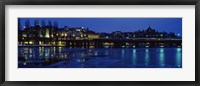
point(51, 35)
point(93, 36)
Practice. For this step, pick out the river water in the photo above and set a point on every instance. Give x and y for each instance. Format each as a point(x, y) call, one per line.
point(61, 57)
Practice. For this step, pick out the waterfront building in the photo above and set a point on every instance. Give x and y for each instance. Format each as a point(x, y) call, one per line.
point(52, 35)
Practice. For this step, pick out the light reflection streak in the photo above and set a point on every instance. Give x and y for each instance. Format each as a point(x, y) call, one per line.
point(133, 57)
point(122, 56)
point(147, 57)
point(162, 57)
point(178, 57)
point(134, 60)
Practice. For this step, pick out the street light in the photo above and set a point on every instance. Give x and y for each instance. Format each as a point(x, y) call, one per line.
point(178, 35)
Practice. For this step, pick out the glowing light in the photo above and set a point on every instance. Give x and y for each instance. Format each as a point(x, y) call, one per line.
point(78, 29)
point(40, 42)
point(178, 57)
point(73, 35)
point(178, 49)
point(59, 49)
point(59, 43)
point(53, 43)
point(147, 57)
point(147, 50)
point(30, 42)
point(24, 63)
point(93, 36)
point(47, 33)
point(161, 50)
point(134, 57)
point(91, 47)
point(162, 57)
point(25, 42)
point(106, 46)
point(178, 34)
point(134, 50)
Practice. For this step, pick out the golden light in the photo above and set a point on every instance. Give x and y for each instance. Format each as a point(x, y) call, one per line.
point(91, 47)
point(53, 43)
point(47, 33)
point(73, 35)
point(25, 42)
point(40, 42)
point(59, 43)
point(85, 35)
point(30, 42)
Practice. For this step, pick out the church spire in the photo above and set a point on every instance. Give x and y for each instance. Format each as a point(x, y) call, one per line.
point(149, 27)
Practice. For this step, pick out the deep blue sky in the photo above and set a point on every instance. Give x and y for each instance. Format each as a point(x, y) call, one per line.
point(116, 24)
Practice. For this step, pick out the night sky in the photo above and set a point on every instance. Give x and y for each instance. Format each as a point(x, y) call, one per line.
point(116, 24)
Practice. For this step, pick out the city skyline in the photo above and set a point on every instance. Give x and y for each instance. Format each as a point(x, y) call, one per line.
point(99, 43)
point(109, 25)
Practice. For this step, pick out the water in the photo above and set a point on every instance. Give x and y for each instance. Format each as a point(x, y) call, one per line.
point(61, 57)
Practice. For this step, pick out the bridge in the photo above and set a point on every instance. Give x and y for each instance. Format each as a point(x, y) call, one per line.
point(120, 43)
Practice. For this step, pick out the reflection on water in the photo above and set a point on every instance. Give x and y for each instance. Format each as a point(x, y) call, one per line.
point(147, 57)
point(178, 57)
point(61, 57)
point(162, 57)
point(134, 57)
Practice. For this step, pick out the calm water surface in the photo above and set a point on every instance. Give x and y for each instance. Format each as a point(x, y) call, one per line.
point(61, 57)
